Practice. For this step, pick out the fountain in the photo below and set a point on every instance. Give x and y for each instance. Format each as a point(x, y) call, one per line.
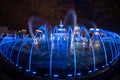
point(69, 50)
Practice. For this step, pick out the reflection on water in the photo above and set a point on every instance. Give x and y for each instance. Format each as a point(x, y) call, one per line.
point(63, 55)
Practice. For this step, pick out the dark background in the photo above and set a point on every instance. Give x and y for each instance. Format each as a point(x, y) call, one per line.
point(16, 13)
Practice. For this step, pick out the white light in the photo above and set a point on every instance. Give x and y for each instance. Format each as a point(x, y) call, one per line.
point(43, 36)
point(35, 41)
point(91, 29)
point(23, 30)
point(84, 44)
point(38, 30)
point(96, 33)
point(64, 38)
point(58, 38)
point(51, 36)
point(77, 28)
point(61, 29)
point(61, 25)
point(97, 29)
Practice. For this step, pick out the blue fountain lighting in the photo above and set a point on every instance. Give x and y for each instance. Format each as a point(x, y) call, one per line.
point(103, 66)
point(27, 70)
point(69, 75)
point(63, 49)
point(20, 67)
point(56, 75)
point(89, 71)
point(96, 69)
point(78, 74)
point(16, 65)
point(34, 72)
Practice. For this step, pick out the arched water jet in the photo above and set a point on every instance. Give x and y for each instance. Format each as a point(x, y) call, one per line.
point(70, 19)
point(5, 47)
point(111, 34)
point(55, 29)
point(106, 61)
point(13, 49)
point(70, 31)
point(51, 61)
point(110, 46)
point(34, 23)
point(8, 49)
point(30, 58)
point(93, 52)
point(6, 41)
point(95, 30)
point(18, 56)
point(32, 46)
point(58, 61)
point(114, 36)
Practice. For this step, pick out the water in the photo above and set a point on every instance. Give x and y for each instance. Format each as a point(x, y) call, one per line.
point(60, 58)
point(18, 56)
point(68, 50)
point(13, 49)
point(70, 19)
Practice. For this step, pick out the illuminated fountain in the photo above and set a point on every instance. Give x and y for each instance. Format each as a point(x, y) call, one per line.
point(63, 52)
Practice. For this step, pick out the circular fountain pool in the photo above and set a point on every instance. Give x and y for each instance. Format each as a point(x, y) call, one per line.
point(63, 57)
point(63, 53)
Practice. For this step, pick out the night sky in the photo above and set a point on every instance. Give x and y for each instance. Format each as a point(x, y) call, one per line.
point(16, 13)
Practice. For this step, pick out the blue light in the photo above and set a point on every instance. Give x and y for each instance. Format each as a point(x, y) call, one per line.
point(107, 64)
point(56, 75)
point(16, 64)
point(78, 74)
point(96, 69)
point(58, 38)
point(43, 36)
point(69, 75)
point(61, 29)
point(20, 67)
point(34, 72)
point(35, 41)
point(103, 66)
point(90, 71)
point(27, 70)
